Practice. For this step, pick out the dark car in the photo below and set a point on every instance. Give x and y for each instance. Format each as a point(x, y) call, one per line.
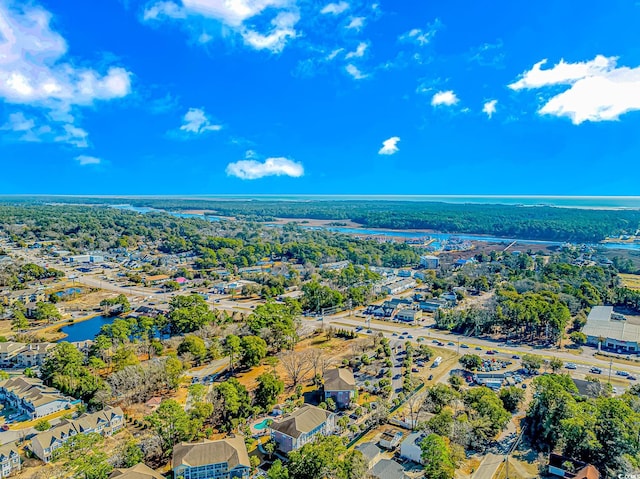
point(515, 356)
point(430, 377)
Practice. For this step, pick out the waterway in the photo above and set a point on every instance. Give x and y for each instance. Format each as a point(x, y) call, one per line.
point(415, 234)
point(84, 330)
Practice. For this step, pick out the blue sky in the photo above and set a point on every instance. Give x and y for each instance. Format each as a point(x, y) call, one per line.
point(191, 97)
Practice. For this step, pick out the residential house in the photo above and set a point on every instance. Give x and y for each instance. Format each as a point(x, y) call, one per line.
point(408, 315)
point(562, 466)
point(10, 462)
point(155, 279)
point(410, 448)
point(106, 422)
point(31, 397)
point(339, 385)
point(371, 453)
point(300, 427)
point(390, 439)
point(387, 469)
point(432, 306)
point(139, 471)
point(222, 459)
point(336, 266)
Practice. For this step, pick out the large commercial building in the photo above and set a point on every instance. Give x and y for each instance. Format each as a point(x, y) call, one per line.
point(611, 331)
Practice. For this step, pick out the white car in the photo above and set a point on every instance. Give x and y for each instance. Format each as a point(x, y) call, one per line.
point(571, 366)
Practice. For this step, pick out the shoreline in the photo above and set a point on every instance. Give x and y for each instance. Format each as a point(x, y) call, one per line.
point(54, 329)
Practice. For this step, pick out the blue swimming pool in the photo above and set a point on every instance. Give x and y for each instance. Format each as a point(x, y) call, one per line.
point(262, 424)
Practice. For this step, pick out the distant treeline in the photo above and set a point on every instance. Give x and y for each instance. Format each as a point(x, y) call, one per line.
point(538, 222)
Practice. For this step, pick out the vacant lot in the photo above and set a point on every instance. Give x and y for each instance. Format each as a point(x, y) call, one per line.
point(631, 281)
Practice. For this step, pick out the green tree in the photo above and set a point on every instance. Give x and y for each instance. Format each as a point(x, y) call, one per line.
point(233, 349)
point(278, 471)
point(531, 361)
point(511, 398)
point(188, 313)
point(317, 459)
point(471, 361)
point(42, 425)
point(268, 390)
point(195, 346)
point(47, 312)
point(171, 423)
point(436, 454)
point(556, 364)
point(19, 322)
point(254, 350)
point(275, 323)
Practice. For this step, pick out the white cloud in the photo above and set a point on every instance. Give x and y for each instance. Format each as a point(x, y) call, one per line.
point(563, 73)
point(359, 51)
point(355, 72)
point(32, 129)
point(235, 14)
point(84, 160)
point(163, 9)
point(489, 107)
point(33, 72)
point(196, 121)
point(447, 98)
point(335, 8)
point(253, 169)
point(419, 36)
point(356, 23)
point(74, 136)
point(277, 38)
point(334, 54)
point(598, 89)
point(390, 146)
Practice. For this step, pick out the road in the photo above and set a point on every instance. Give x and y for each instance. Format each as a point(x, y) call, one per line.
point(488, 466)
point(583, 361)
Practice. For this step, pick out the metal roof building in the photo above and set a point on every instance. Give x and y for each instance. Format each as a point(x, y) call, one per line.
point(611, 333)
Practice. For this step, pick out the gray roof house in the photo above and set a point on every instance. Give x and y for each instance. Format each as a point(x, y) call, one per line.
point(340, 386)
point(139, 471)
point(387, 469)
point(301, 426)
point(223, 459)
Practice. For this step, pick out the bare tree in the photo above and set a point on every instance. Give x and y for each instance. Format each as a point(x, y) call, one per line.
point(297, 364)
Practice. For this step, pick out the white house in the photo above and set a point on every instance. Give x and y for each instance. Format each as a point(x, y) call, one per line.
point(301, 426)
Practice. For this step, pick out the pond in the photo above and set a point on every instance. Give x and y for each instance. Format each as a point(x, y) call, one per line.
point(85, 329)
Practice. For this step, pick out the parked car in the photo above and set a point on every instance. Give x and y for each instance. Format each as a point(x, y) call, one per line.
point(464, 346)
point(622, 373)
point(490, 352)
point(595, 370)
point(478, 348)
point(631, 378)
point(430, 377)
point(515, 356)
point(571, 366)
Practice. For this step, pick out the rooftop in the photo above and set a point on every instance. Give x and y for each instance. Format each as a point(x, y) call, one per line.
point(301, 421)
point(231, 450)
point(600, 324)
point(339, 379)
point(139, 471)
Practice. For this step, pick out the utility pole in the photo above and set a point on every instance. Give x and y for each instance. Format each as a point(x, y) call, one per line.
point(610, 364)
point(458, 345)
